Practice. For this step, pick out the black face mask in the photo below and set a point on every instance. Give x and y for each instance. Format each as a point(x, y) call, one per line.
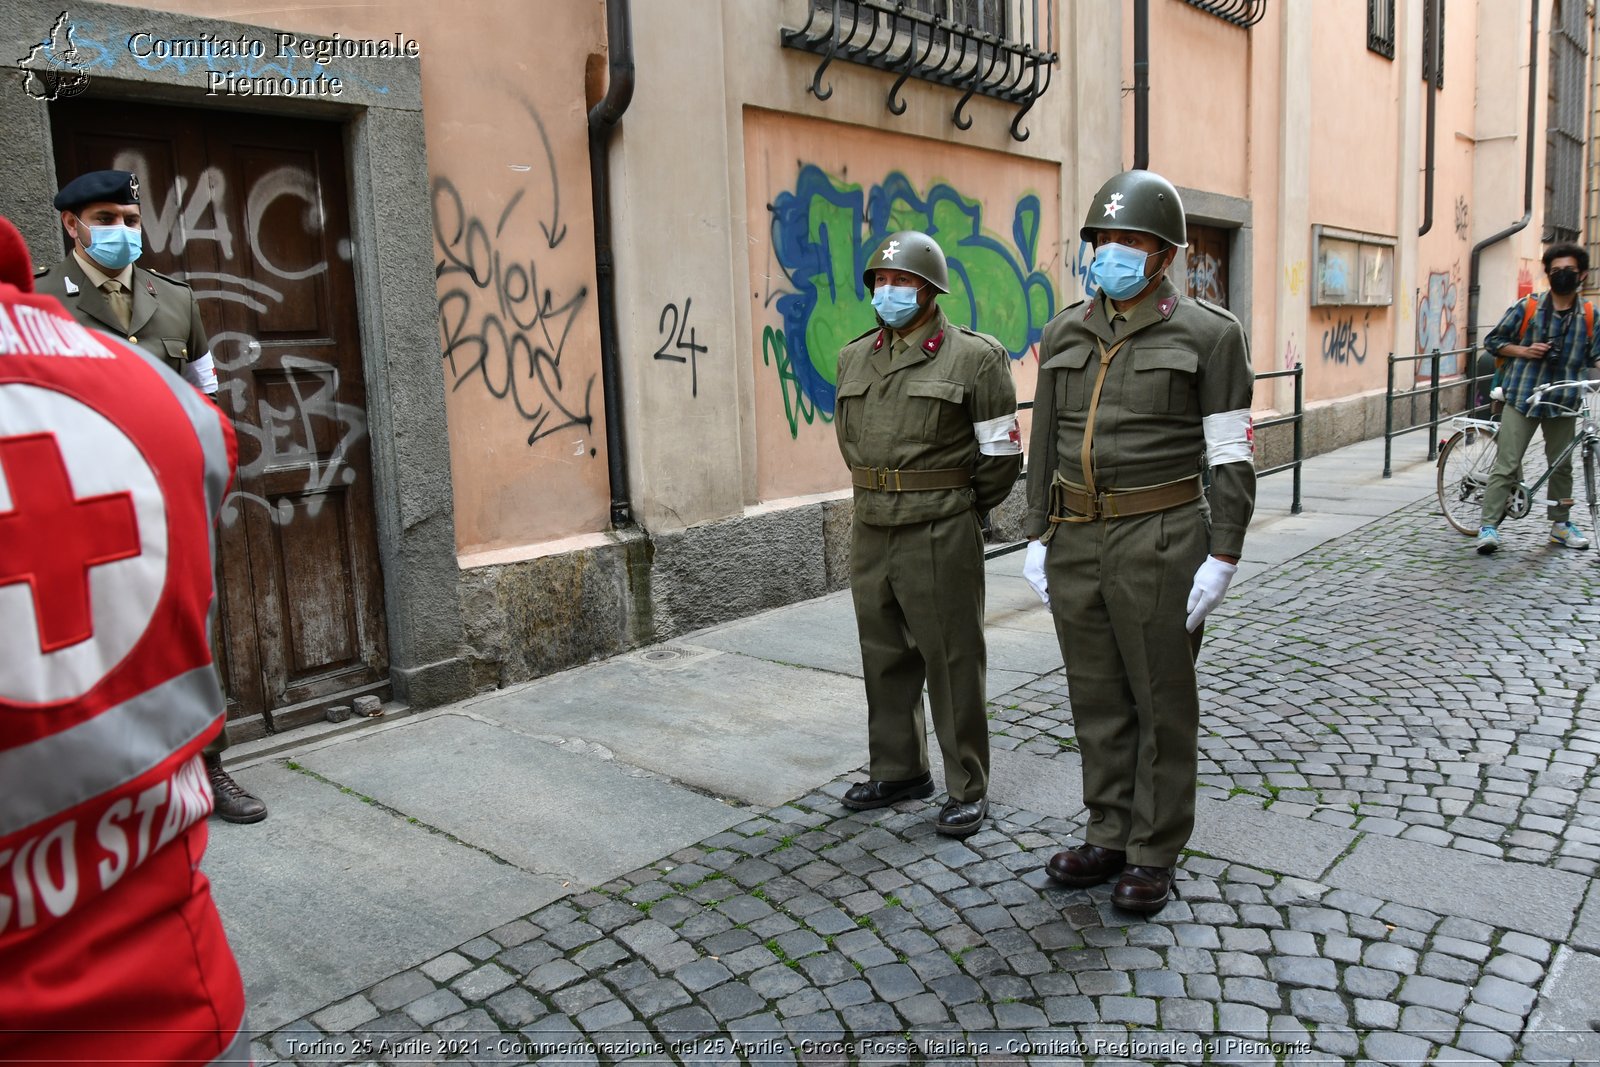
point(1564, 281)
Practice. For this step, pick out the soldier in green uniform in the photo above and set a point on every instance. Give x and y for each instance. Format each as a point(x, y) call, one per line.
point(100, 285)
point(1138, 387)
point(927, 422)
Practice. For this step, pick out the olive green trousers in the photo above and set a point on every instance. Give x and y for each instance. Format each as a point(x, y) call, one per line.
point(918, 593)
point(1119, 591)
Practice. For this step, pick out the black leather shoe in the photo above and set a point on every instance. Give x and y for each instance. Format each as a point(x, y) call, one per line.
point(233, 802)
point(864, 796)
point(960, 818)
point(1085, 865)
point(1145, 890)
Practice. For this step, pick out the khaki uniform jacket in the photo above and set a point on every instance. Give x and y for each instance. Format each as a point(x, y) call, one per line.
point(1184, 359)
point(166, 315)
point(917, 411)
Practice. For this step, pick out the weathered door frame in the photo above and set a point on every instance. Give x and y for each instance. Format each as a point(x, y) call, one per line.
point(380, 107)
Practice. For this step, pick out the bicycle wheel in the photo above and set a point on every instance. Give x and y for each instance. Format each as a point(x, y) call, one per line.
point(1464, 465)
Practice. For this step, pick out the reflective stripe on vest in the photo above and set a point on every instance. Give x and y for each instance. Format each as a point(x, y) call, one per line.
point(54, 774)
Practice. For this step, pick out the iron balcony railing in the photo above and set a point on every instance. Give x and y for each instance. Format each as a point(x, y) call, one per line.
point(903, 39)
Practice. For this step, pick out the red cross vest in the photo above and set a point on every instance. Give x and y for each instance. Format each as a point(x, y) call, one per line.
point(112, 470)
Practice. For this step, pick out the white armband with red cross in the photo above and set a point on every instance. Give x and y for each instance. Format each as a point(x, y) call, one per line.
point(202, 374)
point(999, 437)
point(1230, 437)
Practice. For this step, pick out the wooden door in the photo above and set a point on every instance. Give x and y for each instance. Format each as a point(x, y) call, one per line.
point(251, 211)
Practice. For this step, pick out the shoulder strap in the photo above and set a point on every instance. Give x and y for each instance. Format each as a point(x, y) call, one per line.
point(1530, 307)
point(1588, 319)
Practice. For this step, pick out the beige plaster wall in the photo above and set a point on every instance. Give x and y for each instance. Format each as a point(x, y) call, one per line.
point(1512, 266)
point(1356, 120)
point(503, 98)
point(1439, 288)
point(1200, 98)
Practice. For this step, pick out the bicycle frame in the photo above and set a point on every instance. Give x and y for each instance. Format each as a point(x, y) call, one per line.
point(1460, 486)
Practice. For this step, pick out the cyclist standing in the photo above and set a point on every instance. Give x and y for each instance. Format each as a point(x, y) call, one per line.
point(1540, 339)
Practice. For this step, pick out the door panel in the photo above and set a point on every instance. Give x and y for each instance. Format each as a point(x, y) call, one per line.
point(252, 212)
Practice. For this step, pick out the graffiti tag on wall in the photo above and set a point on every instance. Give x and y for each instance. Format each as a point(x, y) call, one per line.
point(1437, 318)
point(823, 232)
point(1294, 277)
point(1205, 278)
point(499, 326)
point(1344, 342)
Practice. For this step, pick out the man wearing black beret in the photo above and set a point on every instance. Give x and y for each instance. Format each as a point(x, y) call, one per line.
point(99, 283)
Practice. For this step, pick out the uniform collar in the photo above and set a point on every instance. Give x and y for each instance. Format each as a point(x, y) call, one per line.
point(97, 274)
point(923, 343)
point(1157, 306)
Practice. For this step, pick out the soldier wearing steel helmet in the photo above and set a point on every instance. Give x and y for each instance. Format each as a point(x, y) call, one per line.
point(927, 422)
point(1139, 386)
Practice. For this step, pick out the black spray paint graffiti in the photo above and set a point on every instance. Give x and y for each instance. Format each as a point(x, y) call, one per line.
point(1463, 217)
point(679, 324)
point(498, 326)
point(1343, 343)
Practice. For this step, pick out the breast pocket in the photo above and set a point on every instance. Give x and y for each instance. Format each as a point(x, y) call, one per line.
point(936, 410)
point(175, 353)
point(1072, 378)
point(1163, 380)
point(850, 397)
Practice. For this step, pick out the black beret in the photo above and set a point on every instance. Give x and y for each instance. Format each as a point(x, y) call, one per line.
point(99, 187)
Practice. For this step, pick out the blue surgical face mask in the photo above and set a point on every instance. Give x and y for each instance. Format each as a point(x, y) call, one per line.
point(896, 304)
point(1119, 270)
point(113, 247)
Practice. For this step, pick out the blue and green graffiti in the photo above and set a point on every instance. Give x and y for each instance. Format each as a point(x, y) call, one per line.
point(823, 231)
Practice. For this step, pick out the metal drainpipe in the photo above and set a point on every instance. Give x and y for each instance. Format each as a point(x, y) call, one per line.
point(603, 119)
point(1432, 78)
point(1141, 84)
point(1527, 190)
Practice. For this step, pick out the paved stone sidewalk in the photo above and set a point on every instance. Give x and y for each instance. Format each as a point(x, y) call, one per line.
point(1391, 684)
point(1397, 683)
point(807, 930)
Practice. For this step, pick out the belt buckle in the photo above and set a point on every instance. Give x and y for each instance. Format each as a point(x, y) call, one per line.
point(1105, 505)
point(883, 479)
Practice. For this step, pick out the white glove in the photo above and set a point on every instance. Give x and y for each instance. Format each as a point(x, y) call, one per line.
point(1033, 570)
point(1210, 583)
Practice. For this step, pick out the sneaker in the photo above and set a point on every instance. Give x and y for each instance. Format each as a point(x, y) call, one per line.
point(1489, 540)
point(1565, 533)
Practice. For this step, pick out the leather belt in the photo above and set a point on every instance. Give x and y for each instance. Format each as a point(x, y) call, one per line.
point(885, 480)
point(1082, 506)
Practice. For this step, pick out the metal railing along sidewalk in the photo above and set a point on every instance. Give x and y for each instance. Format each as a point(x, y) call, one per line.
point(1469, 379)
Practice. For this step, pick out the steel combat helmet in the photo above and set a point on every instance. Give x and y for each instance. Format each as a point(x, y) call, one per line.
point(1139, 200)
point(913, 252)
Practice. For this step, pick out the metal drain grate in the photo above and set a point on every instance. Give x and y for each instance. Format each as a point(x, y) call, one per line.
point(669, 657)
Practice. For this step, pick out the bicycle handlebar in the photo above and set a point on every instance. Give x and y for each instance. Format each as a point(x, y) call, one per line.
point(1589, 386)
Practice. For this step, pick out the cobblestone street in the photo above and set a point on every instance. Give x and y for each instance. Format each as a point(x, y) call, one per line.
point(1390, 684)
point(1396, 683)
